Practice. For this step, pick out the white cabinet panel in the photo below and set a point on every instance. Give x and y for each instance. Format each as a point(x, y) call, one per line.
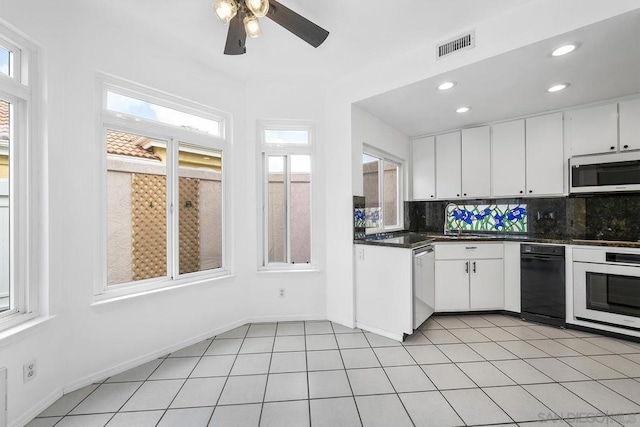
point(452, 285)
point(630, 125)
point(545, 155)
point(508, 159)
point(423, 159)
point(593, 130)
point(384, 290)
point(448, 166)
point(468, 250)
point(476, 162)
point(486, 285)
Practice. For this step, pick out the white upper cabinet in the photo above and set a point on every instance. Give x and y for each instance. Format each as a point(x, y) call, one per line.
point(630, 125)
point(423, 157)
point(593, 130)
point(448, 166)
point(476, 162)
point(508, 159)
point(545, 155)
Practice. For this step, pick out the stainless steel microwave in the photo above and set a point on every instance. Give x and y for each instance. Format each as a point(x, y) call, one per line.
point(605, 173)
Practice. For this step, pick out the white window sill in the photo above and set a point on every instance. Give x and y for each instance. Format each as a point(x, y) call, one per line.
point(123, 295)
point(10, 336)
point(289, 268)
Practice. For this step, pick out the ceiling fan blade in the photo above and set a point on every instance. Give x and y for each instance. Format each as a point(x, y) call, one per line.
point(236, 37)
point(297, 24)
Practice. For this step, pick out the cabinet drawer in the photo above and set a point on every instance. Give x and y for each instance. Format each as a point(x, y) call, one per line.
point(469, 250)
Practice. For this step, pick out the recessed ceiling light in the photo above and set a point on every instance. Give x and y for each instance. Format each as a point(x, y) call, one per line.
point(558, 87)
point(563, 50)
point(463, 109)
point(446, 85)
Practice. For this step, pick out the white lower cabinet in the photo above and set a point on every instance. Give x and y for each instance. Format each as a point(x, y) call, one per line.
point(469, 277)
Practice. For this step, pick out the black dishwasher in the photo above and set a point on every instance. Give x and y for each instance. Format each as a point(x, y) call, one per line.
point(542, 284)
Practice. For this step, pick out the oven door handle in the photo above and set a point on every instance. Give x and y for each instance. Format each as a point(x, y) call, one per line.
point(540, 257)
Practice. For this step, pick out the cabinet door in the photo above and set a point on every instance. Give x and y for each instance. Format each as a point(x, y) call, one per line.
point(476, 162)
point(452, 285)
point(448, 166)
point(423, 159)
point(593, 130)
point(545, 155)
point(486, 284)
point(630, 125)
point(508, 159)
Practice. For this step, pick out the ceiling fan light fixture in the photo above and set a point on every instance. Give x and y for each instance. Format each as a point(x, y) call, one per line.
point(225, 10)
point(258, 7)
point(252, 26)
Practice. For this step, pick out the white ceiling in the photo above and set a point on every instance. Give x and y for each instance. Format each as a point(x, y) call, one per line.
point(361, 32)
point(607, 65)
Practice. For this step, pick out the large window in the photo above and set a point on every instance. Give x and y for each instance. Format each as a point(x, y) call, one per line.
point(287, 159)
point(382, 183)
point(165, 192)
point(18, 182)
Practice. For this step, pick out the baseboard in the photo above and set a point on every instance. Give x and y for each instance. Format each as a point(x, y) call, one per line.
point(37, 409)
point(292, 318)
point(349, 323)
point(381, 332)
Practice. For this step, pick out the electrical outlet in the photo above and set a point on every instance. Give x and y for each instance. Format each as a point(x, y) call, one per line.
point(281, 292)
point(361, 254)
point(29, 370)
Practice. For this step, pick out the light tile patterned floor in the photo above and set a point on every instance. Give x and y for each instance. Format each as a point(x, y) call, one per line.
point(454, 371)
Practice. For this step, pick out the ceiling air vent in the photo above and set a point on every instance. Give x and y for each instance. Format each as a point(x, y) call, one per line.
point(466, 41)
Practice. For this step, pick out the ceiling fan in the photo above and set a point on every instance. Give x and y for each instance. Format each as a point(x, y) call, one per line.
point(242, 17)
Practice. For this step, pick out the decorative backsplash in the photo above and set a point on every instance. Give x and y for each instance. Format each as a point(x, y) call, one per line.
point(505, 218)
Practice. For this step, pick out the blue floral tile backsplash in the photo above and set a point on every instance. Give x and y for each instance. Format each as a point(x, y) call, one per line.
point(503, 218)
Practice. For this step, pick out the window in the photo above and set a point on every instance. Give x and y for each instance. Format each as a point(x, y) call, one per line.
point(165, 192)
point(287, 157)
point(18, 182)
point(382, 183)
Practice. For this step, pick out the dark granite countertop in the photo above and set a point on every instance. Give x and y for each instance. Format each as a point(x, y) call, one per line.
point(411, 240)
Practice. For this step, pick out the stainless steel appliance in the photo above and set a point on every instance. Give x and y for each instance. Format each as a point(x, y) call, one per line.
point(424, 297)
point(542, 284)
point(606, 286)
point(605, 173)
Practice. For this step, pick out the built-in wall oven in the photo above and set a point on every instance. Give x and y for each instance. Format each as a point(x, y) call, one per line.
point(607, 286)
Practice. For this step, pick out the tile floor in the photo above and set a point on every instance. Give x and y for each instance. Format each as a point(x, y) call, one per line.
point(454, 371)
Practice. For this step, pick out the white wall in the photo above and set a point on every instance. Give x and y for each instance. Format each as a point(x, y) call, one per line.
point(372, 131)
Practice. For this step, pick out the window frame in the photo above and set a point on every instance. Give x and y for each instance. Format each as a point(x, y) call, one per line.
point(21, 89)
point(173, 136)
point(286, 150)
point(383, 157)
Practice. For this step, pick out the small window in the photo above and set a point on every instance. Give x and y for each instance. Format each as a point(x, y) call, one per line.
point(287, 195)
point(286, 137)
point(5, 61)
point(5, 211)
point(382, 183)
point(149, 111)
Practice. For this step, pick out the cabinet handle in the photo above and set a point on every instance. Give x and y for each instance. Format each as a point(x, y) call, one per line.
point(530, 191)
point(612, 148)
point(466, 267)
point(471, 247)
point(521, 191)
point(474, 266)
point(457, 195)
point(465, 194)
point(625, 147)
